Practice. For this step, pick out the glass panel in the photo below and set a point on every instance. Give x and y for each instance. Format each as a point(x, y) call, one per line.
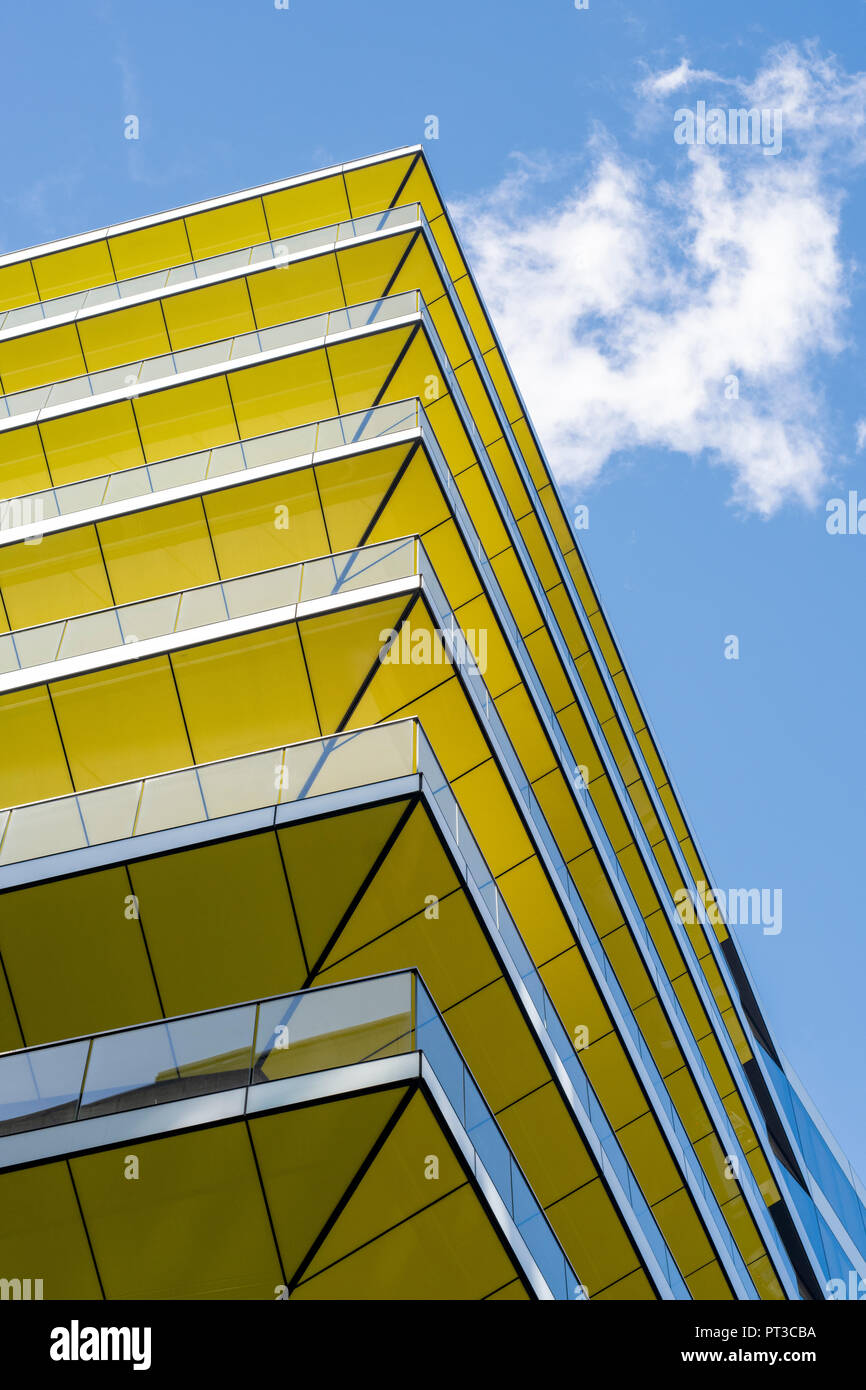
point(36, 645)
point(109, 814)
point(48, 827)
point(152, 618)
point(91, 632)
point(326, 1028)
point(243, 784)
point(168, 801)
point(257, 593)
point(201, 607)
point(77, 497)
point(41, 1087)
point(213, 1051)
point(127, 1070)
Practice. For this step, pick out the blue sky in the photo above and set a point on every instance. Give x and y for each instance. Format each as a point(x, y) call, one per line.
point(630, 277)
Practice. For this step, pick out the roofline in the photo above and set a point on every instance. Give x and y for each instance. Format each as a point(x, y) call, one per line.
point(47, 248)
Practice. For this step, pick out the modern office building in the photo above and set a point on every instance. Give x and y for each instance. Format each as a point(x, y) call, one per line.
point(344, 893)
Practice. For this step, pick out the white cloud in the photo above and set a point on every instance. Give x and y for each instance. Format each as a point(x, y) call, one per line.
point(661, 84)
point(628, 307)
point(860, 427)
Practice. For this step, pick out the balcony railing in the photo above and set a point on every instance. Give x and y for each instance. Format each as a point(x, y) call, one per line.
point(249, 257)
point(269, 1040)
point(224, 353)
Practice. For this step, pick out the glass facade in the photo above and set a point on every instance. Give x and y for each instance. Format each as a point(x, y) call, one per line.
point(309, 701)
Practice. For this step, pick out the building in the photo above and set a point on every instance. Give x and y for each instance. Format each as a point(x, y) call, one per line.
point(345, 916)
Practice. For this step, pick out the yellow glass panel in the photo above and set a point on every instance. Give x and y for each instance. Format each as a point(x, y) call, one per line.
point(579, 1004)
point(318, 203)
point(121, 723)
point(277, 395)
point(87, 980)
point(565, 616)
point(492, 817)
point(533, 905)
point(55, 579)
point(374, 187)
point(17, 285)
point(632, 1289)
point(682, 1229)
point(451, 436)
point(368, 271)
point(205, 315)
point(450, 1248)
point(763, 1177)
point(36, 358)
point(513, 1292)
point(561, 813)
point(342, 650)
point(308, 1158)
point(10, 1032)
point(196, 1220)
point(715, 1164)
point(530, 743)
point(33, 766)
point(90, 442)
point(150, 249)
point(547, 664)
point(22, 462)
point(534, 462)
point(657, 1031)
point(524, 609)
point(542, 1135)
point(445, 238)
point(81, 267)
point(650, 1158)
point(419, 188)
point(127, 335)
point(227, 228)
point(186, 418)
point(417, 373)
point(243, 945)
point(449, 330)
point(477, 1022)
point(684, 1094)
point(450, 950)
point(502, 382)
point(709, 1283)
point(158, 551)
point(595, 890)
point(352, 489)
point(474, 312)
point(362, 366)
point(610, 1072)
point(395, 1186)
point(234, 694)
point(629, 859)
point(417, 504)
point(764, 1279)
point(262, 525)
point(447, 720)
point(625, 959)
point(717, 1066)
point(589, 1228)
point(743, 1228)
point(311, 853)
point(42, 1235)
point(296, 291)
